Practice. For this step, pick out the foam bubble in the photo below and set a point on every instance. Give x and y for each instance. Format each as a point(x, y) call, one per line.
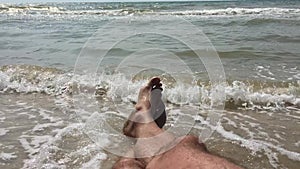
point(95, 162)
point(54, 10)
point(259, 145)
point(3, 131)
point(43, 151)
point(28, 79)
point(41, 127)
point(2, 119)
point(7, 156)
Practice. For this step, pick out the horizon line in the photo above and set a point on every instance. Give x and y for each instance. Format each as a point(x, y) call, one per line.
point(111, 1)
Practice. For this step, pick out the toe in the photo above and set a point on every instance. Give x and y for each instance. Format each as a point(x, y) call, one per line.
point(154, 81)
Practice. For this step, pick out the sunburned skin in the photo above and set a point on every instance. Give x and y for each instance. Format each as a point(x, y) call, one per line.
point(187, 152)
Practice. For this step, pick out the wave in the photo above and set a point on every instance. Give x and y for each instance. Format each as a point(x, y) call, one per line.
point(36, 79)
point(238, 11)
point(261, 21)
point(125, 11)
point(29, 9)
point(30, 78)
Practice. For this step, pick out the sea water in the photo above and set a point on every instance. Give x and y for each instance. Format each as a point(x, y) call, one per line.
point(42, 124)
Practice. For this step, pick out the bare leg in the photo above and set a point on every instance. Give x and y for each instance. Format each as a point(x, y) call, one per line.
point(142, 107)
point(188, 153)
point(129, 163)
point(143, 103)
point(130, 127)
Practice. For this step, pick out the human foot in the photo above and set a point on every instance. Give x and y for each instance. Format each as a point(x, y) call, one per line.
point(143, 105)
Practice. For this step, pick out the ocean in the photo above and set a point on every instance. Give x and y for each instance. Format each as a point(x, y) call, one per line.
point(70, 73)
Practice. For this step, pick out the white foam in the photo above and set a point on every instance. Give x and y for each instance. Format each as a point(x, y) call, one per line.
point(288, 114)
point(265, 76)
point(52, 10)
point(45, 115)
point(29, 9)
point(37, 141)
point(42, 159)
point(41, 127)
point(2, 119)
point(3, 131)
point(26, 145)
point(297, 76)
point(30, 116)
point(240, 91)
point(297, 102)
point(20, 103)
point(39, 149)
point(7, 156)
point(183, 94)
point(237, 11)
point(119, 88)
point(43, 150)
point(95, 162)
point(230, 122)
point(192, 94)
point(278, 136)
point(259, 145)
point(26, 79)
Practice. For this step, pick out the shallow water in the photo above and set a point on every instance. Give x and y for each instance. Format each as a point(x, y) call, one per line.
point(48, 110)
point(40, 131)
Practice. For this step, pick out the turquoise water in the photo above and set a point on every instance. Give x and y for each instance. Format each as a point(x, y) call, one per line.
point(248, 35)
point(257, 42)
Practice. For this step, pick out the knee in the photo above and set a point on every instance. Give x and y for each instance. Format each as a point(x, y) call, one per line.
point(194, 142)
point(128, 163)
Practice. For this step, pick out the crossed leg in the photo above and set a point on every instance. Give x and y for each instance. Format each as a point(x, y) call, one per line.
point(129, 163)
point(143, 106)
point(188, 153)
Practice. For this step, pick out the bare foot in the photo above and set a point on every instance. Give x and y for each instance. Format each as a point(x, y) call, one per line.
point(143, 105)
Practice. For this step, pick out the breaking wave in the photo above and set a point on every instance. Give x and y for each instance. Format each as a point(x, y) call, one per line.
point(30, 79)
point(30, 9)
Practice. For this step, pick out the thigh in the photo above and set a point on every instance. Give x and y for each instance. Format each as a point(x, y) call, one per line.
point(128, 163)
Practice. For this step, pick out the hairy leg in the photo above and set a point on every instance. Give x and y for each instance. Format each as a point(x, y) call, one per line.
point(129, 163)
point(142, 106)
point(141, 125)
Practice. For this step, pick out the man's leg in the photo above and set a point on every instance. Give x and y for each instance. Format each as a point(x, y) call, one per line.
point(157, 109)
point(142, 106)
point(129, 163)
